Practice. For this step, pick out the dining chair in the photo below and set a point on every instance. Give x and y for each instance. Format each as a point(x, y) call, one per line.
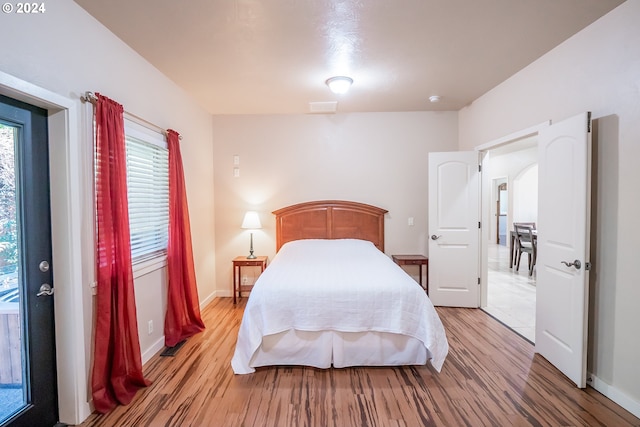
point(525, 224)
point(525, 243)
point(513, 250)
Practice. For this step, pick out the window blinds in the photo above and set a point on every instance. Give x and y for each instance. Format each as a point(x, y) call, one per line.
point(148, 194)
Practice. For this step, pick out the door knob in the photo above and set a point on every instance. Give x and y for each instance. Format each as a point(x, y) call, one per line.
point(577, 264)
point(45, 290)
point(434, 237)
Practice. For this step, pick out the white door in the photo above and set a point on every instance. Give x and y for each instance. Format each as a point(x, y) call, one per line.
point(454, 215)
point(563, 245)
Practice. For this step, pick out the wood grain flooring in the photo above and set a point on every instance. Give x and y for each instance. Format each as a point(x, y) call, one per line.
point(490, 378)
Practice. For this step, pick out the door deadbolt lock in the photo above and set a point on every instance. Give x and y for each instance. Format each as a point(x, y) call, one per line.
point(44, 266)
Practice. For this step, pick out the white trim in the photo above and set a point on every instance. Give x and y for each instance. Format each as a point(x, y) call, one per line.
point(150, 265)
point(521, 134)
point(66, 219)
point(213, 296)
point(159, 343)
point(485, 200)
point(615, 395)
point(152, 350)
point(138, 131)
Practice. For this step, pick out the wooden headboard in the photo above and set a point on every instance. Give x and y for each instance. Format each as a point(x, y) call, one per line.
point(330, 219)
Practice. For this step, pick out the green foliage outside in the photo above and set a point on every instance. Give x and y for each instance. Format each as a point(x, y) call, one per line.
point(8, 224)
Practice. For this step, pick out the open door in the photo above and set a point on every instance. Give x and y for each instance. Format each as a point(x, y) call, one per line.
point(563, 245)
point(454, 212)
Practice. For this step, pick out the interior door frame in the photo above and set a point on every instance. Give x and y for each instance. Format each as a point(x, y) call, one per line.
point(485, 198)
point(494, 199)
point(66, 187)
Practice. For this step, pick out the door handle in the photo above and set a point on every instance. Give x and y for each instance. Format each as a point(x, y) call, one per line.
point(434, 237)
point(45, 290)
point(577, 264)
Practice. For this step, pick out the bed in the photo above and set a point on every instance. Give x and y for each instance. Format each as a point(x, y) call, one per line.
point(331, 297)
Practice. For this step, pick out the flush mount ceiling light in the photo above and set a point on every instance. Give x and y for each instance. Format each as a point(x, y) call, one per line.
point(434, 98)
point(339, 84)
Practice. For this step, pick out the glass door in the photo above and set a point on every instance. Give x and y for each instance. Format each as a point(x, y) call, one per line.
point(28, 392)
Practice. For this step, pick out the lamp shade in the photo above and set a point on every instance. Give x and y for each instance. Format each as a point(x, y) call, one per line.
point(251, 220)
point(339, 84)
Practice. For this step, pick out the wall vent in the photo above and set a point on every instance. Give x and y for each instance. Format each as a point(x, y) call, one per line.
point(327, 107)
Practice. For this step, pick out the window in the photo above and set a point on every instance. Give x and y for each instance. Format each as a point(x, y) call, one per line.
point(148, 191)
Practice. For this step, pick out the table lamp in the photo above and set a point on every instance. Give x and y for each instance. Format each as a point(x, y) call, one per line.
point(252, 222)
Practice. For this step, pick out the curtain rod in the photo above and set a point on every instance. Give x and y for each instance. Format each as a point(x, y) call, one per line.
point(91, 98)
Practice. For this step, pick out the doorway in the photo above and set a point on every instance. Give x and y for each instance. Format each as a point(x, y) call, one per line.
point(28, 385)
point(73, 260)
point(562, 235)
point(511, 291)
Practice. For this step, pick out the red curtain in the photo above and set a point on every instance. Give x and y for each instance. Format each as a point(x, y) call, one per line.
point(183, 310)
point(117, 365)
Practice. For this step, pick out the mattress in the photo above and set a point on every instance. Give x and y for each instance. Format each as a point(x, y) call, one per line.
point(337, 303)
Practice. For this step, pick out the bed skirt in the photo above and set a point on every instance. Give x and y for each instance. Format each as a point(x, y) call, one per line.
point(324, 349)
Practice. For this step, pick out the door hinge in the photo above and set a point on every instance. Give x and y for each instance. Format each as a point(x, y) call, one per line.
point(478, 280)
point(479, 226)
point(589, 122)
point(479, 168)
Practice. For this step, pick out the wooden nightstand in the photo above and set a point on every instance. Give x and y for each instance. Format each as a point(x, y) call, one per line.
point(418, 260)
point(238, 263)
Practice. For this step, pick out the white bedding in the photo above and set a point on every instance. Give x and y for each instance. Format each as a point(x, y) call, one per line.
point(335, 286)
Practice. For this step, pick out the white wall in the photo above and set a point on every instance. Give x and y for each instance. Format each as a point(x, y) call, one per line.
point(597, 70)
point(375, 158)
point(511, 166)
point(525, 195)
point(67, 52)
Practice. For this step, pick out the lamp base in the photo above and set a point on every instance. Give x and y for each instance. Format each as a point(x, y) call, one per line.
point(251, 255)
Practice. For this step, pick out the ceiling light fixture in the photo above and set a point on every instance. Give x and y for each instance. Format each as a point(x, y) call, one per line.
point(339, 84)
point(434, 98)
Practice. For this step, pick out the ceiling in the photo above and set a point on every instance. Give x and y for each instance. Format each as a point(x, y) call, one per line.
point(274, 56)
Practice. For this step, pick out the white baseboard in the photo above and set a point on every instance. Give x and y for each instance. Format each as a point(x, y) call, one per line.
point(159, 344)
point(214, 295)
point(85, 410)
point(208, 299)
point(151, 351)
point(616, 395)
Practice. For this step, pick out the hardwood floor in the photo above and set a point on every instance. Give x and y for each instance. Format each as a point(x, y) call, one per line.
point(490, 378)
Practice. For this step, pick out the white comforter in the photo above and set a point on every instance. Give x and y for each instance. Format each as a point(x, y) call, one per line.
point(342, 285)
